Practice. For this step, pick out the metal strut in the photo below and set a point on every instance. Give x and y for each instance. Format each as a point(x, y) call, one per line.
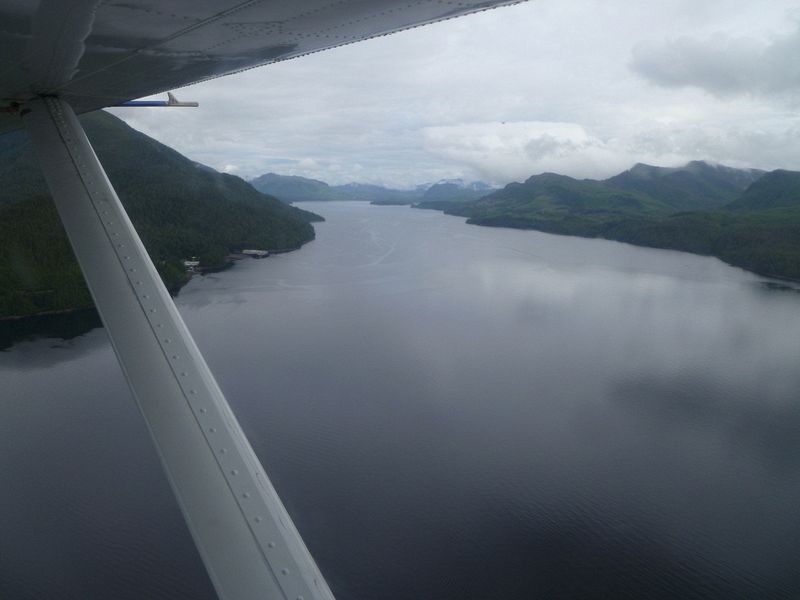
point(244, 535)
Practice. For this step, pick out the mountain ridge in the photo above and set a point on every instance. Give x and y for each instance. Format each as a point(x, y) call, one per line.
point(698, 184)
point(758, 230)
point(295, 188)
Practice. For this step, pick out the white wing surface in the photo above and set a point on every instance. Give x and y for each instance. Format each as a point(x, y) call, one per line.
point(98, 53)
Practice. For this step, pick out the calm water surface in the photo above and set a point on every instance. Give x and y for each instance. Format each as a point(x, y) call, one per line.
point(449, 412)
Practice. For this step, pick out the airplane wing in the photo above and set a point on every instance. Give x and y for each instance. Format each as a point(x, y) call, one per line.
point(59, 58)
point(98, 53)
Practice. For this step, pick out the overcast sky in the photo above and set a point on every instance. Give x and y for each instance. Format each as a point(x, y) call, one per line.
point(581, 87)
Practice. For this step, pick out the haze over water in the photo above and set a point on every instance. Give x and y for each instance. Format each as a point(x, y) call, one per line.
point(448, 412)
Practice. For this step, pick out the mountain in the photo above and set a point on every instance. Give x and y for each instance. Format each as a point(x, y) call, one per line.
point(291, 188)
point(558, 195)
point(180, 209)
point(697, 185)
point(477, 186)
point(642, 190)
point(677, 209)
point(448, 190)
point(456, 191)
point(377, 194)
point(776, 190)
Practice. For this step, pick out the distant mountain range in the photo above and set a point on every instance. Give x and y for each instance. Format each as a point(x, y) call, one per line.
point(180, 208)
point(292, 188)
point(746, 217)
point(455, 191)
point(643, 189)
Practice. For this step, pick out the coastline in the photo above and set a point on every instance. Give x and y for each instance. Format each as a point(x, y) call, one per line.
point(174, 291)
point(622, 241)
point(573, 229)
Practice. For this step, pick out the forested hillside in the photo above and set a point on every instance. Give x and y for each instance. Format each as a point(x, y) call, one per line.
point(180, 209)
point(695, 186)
point(759, 230)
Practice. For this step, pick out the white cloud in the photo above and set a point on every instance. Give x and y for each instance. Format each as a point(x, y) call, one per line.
point(724, 65)
point(508, 151)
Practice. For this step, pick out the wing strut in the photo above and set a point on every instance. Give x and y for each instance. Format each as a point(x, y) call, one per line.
point(244, 535)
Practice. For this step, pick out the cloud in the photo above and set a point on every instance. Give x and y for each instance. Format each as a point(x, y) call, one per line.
point(513, 151)
point(722, 64)
point(730, 144)
point(504, 94)
point(507, 151)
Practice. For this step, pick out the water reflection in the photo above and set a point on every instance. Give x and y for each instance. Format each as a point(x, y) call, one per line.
point(752, 421)
point(780, 286)
point(65, 326)
point(499, 413)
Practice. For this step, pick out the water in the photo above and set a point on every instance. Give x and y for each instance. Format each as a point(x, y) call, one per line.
point(449, 412)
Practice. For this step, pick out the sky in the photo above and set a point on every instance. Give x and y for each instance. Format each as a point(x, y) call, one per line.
point(586, 88)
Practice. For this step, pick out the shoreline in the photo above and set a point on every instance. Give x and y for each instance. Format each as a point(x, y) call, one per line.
point(528, 227)
point(174, 292)
point(785, 278)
